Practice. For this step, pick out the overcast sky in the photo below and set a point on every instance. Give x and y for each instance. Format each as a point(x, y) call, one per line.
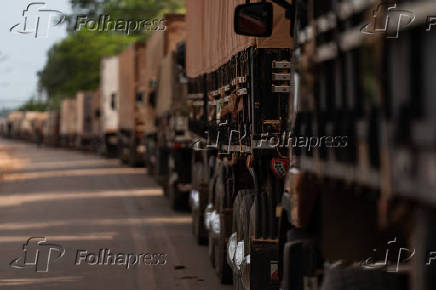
point(22, 55)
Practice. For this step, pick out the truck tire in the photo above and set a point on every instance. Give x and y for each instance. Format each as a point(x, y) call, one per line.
point(211, 199)
point(197, 217)
point(211, 249)
point(236, 228)
point(242, 206)
point(173, 197)
point(345, 278)
point(223, 271)
point(197, 227)
point(132, 158)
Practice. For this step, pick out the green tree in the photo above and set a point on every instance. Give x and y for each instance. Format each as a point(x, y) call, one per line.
point(34, 105)
point(74, 63)
point(124, 9)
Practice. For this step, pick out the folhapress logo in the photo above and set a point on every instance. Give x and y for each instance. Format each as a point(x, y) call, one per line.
point(38, 254)
point(37, 20)
point(389, 20)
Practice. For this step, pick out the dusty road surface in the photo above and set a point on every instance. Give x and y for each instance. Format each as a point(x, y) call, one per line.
point(87, 215)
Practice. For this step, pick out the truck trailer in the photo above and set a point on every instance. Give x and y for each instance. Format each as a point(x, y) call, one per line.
point(68, 123)
point(239, 89)
point(14, 121)
point(131, 112)
point(88, 119)
point(31, 126)
point(353, 209)
point(173, 138)
point(51, 128)
point(158, 46)
point(319, 143)
point(109, 102)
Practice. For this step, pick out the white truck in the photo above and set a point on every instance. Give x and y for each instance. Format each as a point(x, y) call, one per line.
point(109, 102)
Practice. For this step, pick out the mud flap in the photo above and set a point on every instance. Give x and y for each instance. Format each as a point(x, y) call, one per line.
point(264, 270)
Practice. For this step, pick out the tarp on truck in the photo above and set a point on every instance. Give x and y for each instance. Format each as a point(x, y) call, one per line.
point(28, 121)
point(51, 125)
point(166, 80)
point(15, 120)
point(126, 75)
point(171, 91)
point(211, 40)
point(68, 117)
point(158, 46)
point(32, 124)
point(131, 75)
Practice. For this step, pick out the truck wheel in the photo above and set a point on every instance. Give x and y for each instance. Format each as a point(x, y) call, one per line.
point(173, 197)
point(241, 224)
point(223, 270)
point(236, 228)
point(197, 217)
point(132, 158)
point(211, 249)
point(212, 199)
point(196, 167)
point(344, 278)
point(123, 156)
point(211, 235)
point(197, 227)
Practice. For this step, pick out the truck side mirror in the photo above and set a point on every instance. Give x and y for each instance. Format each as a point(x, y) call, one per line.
point(254, 19)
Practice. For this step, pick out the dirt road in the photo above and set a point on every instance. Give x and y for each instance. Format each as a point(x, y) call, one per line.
point(98, 218)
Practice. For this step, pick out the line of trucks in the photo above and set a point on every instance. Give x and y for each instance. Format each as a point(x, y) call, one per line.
point(305, 148)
